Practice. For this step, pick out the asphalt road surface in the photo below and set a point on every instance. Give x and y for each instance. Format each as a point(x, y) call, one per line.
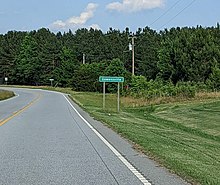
point(47, 139)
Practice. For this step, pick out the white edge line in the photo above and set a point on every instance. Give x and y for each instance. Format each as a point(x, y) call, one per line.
point(123, 160)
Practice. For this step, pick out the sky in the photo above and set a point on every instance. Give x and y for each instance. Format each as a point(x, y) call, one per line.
point(62, 15)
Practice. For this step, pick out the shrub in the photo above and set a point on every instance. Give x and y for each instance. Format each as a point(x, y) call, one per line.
point(140, 87)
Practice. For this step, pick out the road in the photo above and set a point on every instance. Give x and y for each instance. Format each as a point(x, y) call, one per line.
point(47, 139)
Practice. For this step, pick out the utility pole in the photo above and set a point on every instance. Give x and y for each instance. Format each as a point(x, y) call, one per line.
point(133, 53)
point(84, 58)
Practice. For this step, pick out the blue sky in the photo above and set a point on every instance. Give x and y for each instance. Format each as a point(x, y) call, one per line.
point(27, 15)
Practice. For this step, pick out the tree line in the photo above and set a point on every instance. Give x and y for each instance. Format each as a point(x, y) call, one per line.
point(173, 56)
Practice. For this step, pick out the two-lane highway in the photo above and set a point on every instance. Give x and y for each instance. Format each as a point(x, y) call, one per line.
point(45, 140)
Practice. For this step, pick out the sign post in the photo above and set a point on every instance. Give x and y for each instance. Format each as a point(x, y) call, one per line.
point(105, 79)
point(118, 97)
point(6, 80)
point(103, 95)
point(51, 82)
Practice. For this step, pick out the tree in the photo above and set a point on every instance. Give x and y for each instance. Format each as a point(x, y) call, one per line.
point(86, 76)
point(67, 67)
point(116, 68)
point(178, 54)
point(147, 45)
point(28, 66)
point(49, 50)
point(214, 78)
point(9, 49)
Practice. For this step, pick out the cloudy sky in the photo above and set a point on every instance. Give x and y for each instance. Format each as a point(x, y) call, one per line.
point(102, 14)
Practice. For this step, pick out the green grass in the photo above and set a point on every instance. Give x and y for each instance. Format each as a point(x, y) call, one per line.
point(184, 137)
point(5, 94)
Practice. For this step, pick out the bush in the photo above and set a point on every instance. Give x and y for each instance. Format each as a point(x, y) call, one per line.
point(6, 94)
point(186, 91)
point(140, 87)
point(214, 79)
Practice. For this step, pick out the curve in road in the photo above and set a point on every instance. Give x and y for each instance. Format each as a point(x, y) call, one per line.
point(50, 140)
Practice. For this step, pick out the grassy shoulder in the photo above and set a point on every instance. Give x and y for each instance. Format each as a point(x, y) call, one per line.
point(5, 94)
point(183, 135)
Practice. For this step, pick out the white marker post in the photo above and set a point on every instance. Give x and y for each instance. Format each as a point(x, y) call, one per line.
point(6, 80)
point(51, 82)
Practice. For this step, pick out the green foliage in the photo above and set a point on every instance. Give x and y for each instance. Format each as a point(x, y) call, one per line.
point(115, 68)
point(147, 44)
point(49, 53)
point(27, 62)
point(214, 79)
point(140, 87)
point(85, 78)
point(10, 44)
point(183, 136)
point(138, 84)
point(186, 89)
point(65, 71)
point(173, 56)
point(6, 94)
point(187, 54)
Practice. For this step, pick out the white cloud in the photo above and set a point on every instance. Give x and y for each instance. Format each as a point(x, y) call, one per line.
point(135, 5)
point(95, 26)
point(76, 21)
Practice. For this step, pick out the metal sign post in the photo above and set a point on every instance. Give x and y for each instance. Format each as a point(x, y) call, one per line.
point(118, 97)
point(105, 79)
point(51, 82)
point(104, 95)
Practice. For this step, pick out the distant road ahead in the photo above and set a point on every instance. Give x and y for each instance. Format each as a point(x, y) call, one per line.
point(45, 140)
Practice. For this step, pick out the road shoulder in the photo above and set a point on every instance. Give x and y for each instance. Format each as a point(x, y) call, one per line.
point(152, 171)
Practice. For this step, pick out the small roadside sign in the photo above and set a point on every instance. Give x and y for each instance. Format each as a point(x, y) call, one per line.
point(111, 79)
point(117, 79)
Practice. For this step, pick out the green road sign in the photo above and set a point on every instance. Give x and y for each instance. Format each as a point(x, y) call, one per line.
point(105, 79)
point(111, 79)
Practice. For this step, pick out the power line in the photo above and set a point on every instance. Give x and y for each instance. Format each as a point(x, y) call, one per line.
point(169, 9)
point(162, 25)
point(165, 12)
point(172, 17)
point(178, 13)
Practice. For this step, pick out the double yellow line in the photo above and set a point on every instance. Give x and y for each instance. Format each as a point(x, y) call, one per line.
point(2, 122)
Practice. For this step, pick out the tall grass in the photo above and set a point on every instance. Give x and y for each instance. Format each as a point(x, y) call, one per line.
point(129, 101)
point(5, 94)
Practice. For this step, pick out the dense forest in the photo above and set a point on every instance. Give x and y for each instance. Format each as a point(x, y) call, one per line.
point(166, 58)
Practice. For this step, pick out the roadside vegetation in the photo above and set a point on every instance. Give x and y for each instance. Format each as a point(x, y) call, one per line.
point(180, 133)
point(169, 108)
point(188, 54)
point(5, 94)
point(184, 136)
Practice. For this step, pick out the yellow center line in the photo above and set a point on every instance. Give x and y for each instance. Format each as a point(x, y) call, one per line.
point(2, 122)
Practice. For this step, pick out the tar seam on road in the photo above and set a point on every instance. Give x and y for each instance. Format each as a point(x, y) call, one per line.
point(2, 122)
point(94, 148)
point(123, 160)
